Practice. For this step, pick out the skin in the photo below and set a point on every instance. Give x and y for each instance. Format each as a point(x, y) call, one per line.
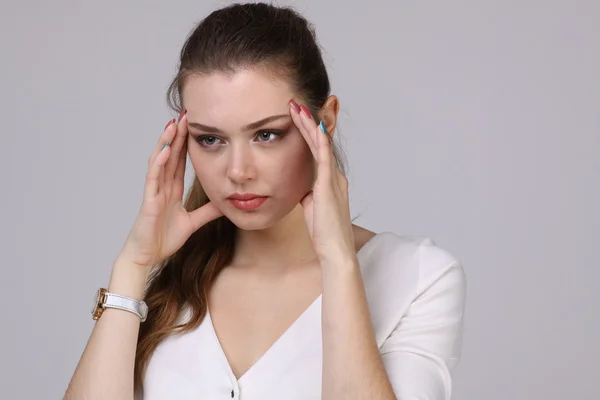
point(250, 161)
point(275, 267)
point(287, 254)
point(274, 257)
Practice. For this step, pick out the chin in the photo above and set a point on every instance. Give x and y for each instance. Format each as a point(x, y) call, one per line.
point(255, 220)
point(251, 221)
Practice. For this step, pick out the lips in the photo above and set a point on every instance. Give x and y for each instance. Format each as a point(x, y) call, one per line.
point(247, 205)
point(244, 196)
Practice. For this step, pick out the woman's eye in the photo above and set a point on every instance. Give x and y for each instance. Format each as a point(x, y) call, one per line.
point(262, 136)
point(267, 134)
point(207, 141)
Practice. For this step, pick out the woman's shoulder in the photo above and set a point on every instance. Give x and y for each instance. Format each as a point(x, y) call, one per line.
point(399, 269)
point(391, 253)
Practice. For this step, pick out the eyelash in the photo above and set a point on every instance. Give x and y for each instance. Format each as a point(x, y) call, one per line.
point(201, 139)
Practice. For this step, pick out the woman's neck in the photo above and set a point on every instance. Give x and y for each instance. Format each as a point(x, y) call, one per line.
point(282, 246)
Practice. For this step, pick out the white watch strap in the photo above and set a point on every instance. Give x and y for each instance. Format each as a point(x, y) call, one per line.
point(127, 304)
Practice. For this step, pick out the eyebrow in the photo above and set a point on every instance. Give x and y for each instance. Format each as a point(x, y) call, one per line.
point(249, 127)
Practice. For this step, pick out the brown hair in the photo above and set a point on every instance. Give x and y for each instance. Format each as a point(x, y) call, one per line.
point(257, 35)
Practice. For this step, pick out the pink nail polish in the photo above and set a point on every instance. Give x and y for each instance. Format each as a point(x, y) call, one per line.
point(295, 106)
point(306, 112)
point(169, 123)
point(183, 112)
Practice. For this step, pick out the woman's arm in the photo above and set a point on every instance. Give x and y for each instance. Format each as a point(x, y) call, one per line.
point(423, 349)
point(105, 370)
point(352, 366)
point(416, 359)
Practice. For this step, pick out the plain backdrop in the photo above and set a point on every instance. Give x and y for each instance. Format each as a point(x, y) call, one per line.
point(475, 123)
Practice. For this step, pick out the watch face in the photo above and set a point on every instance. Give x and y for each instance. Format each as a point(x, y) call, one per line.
point(96, 300)
point(143, 309)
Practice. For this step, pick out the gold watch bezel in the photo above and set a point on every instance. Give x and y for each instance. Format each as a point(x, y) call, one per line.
point(99, 300)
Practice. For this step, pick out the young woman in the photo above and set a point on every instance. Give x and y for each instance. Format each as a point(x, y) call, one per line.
point(258, 285)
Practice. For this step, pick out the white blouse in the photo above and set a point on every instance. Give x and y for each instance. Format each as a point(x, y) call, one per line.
point(416, 293)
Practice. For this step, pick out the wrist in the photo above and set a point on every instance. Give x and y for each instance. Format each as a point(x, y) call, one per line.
point(128, 279)
point(341, 263)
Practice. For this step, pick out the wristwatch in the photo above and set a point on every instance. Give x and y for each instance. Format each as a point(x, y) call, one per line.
point(103, 299)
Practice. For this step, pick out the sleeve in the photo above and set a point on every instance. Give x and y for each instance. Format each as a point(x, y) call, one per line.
point(424, 347)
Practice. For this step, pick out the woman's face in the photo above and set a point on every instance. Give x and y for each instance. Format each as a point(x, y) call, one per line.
point(233, 152)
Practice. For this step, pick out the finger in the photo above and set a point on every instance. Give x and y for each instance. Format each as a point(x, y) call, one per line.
point(153, 184)
point(161, 174)
point(326, 147)
point(308, 123)
point(307, 203)
point(321, 139)
point(177, 144)
point(297, 118)
point(167, 136)
point(307, 200)
point(203, 215)
point(178, 179)
point(324, 151)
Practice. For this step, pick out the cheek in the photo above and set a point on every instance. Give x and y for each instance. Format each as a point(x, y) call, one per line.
point(296, 168)
point(206, 175)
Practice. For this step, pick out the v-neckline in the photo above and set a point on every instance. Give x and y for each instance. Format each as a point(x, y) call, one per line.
point(282, 338)
point(277, 343)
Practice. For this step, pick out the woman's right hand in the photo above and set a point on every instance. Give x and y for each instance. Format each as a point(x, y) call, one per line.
point(163, 225)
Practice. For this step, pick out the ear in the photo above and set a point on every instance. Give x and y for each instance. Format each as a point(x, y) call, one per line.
point(329, 113)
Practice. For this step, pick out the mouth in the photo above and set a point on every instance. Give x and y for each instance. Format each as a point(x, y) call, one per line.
point(247, 201)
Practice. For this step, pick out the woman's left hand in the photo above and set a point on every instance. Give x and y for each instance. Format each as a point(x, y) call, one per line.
point(326, 206)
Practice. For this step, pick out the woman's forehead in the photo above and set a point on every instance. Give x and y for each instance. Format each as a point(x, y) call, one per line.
point(235, 99)
point(246, 87)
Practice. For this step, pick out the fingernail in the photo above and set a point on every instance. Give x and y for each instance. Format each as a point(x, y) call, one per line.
point(169, 123)
point(295, 106)
point(165, 145)
point(183, 112)
point(305, 110)
point(322, 125)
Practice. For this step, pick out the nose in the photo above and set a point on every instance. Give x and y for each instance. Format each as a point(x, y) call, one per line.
point(240, 165)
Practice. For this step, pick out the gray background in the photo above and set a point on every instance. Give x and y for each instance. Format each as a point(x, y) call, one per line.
point(475, 123)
